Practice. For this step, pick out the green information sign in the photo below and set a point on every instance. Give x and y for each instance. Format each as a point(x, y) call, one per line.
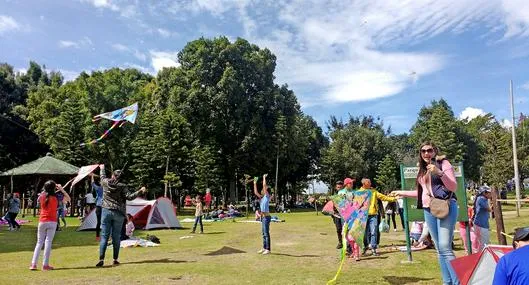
point(408, 176)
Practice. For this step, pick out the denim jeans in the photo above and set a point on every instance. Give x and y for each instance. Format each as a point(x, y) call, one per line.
point(12, 220)
point(372, 231)
point(198, 220)
point(442, 232)
point(112, 221)
point(265, 222)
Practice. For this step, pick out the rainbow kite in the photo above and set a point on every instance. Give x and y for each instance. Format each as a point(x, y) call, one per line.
point(119, 117)
point(354, 211)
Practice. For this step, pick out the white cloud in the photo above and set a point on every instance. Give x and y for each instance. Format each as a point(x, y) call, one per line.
point(84, 42)
point(7, 24)
point(164, 33)
point(470, 113)
point(102, 4)
point(506, 123)
point(69, 75)
point(345, 50)
point(525, 86)
point(125, 49)
point(161, 59)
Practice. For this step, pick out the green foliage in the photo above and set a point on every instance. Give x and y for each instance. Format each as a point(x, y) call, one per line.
point(386, 178)
point(497, 162)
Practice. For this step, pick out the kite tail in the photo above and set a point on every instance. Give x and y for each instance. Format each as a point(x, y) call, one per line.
point(104, 135)
point(345, 228)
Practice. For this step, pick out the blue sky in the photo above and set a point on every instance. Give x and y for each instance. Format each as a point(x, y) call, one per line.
point(383, 58)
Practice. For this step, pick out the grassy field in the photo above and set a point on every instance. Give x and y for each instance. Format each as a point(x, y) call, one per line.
point(303, 252)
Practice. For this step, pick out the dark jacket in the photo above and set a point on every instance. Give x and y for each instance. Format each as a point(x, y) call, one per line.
point(115, 195)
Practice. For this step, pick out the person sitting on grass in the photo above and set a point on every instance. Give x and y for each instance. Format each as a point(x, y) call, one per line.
point(129, 228)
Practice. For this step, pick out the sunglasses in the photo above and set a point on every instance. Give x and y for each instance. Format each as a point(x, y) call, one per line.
point(430, 150)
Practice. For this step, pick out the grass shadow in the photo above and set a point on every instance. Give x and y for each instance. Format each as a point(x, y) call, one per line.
point(399, 280)
point(213, 233)
point(224, 251)
point(291, 255)
point(152, 261)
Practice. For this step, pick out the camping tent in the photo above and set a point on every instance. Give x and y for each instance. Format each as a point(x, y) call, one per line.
point(146, 214)
point(478, 268)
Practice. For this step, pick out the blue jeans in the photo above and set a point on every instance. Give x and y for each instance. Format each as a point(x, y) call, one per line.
point(265, 223)
point(198, 220)
point(111, 223)
point(442, 232)
point(372, 231)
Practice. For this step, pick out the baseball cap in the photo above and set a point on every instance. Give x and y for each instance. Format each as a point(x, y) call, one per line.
point(521, 234)
point(348, 181)
point(483, 189)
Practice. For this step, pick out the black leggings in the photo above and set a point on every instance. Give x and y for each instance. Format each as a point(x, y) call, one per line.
point(393, 218)
point(98, 223)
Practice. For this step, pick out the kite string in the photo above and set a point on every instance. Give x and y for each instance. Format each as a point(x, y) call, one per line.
point(345, 228)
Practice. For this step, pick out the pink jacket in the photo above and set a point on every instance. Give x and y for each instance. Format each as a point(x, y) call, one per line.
point(448, 178)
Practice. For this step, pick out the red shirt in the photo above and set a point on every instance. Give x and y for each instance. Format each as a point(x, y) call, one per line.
point(48, 212)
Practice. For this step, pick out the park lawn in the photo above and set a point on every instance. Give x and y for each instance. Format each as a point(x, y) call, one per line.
point(303, 250)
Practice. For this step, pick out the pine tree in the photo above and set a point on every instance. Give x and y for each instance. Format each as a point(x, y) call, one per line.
point(386, 178)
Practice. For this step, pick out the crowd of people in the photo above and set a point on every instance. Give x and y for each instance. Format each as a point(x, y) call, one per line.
point(435, 181)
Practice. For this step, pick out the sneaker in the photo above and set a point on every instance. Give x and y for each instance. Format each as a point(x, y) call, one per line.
point(266, 251)
point(261, 251)
point(100, 263)
point(192, 232)
point(201, 232)
point(33, 267)
point(394, 230)
point(339, 246)
point(116, 263)
point(375, 253)
point(364, 252)
point(47, 267)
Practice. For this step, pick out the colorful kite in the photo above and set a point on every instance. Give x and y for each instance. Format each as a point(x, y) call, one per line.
point(119, 117)
point(354, 211)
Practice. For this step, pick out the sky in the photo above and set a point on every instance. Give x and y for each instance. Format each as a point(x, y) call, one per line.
point(367, 57)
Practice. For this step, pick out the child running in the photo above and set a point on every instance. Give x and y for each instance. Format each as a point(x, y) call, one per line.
point(47, 223)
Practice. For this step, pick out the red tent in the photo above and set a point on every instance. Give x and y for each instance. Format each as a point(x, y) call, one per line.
point(478, 268)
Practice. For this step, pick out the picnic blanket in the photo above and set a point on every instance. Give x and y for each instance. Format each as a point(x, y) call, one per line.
point(137, 242)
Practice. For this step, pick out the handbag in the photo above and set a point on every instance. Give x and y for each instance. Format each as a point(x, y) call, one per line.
point(439, 208)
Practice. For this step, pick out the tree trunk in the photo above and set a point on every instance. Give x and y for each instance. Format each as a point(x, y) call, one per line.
point(498, 215)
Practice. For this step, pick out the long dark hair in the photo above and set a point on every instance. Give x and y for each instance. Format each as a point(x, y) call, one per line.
point(49, 190)
point(422, 171)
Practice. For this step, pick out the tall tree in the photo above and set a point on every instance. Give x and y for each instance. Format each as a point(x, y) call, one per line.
point(386, 178)
point(497, 166)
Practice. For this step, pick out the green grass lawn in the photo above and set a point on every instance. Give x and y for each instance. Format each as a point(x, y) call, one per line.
point(303, 250)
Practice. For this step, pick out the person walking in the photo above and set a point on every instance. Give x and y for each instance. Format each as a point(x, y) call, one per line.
point(13, 208)
point(436, 179)
point(391, 211)
point(337, 219)
point(47, 223)
point(115, 196)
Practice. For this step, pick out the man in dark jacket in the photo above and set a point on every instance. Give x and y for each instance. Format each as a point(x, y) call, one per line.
point(114, 211)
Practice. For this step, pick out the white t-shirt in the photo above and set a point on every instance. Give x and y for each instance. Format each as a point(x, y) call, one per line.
point(401, 203)
point(90, 199)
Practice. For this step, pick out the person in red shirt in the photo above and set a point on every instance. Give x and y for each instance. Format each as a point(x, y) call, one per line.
point(47, 222)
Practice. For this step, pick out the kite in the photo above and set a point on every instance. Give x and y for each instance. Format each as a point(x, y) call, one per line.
point(83, 172)
point(354, 211)
point(120, 117)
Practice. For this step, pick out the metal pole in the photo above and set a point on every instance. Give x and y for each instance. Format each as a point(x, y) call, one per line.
point(515, 155)
point(277, 172)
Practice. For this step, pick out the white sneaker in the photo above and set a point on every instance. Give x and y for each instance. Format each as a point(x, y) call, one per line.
point(261, 251)
point(394, 230)
point(266, 251)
